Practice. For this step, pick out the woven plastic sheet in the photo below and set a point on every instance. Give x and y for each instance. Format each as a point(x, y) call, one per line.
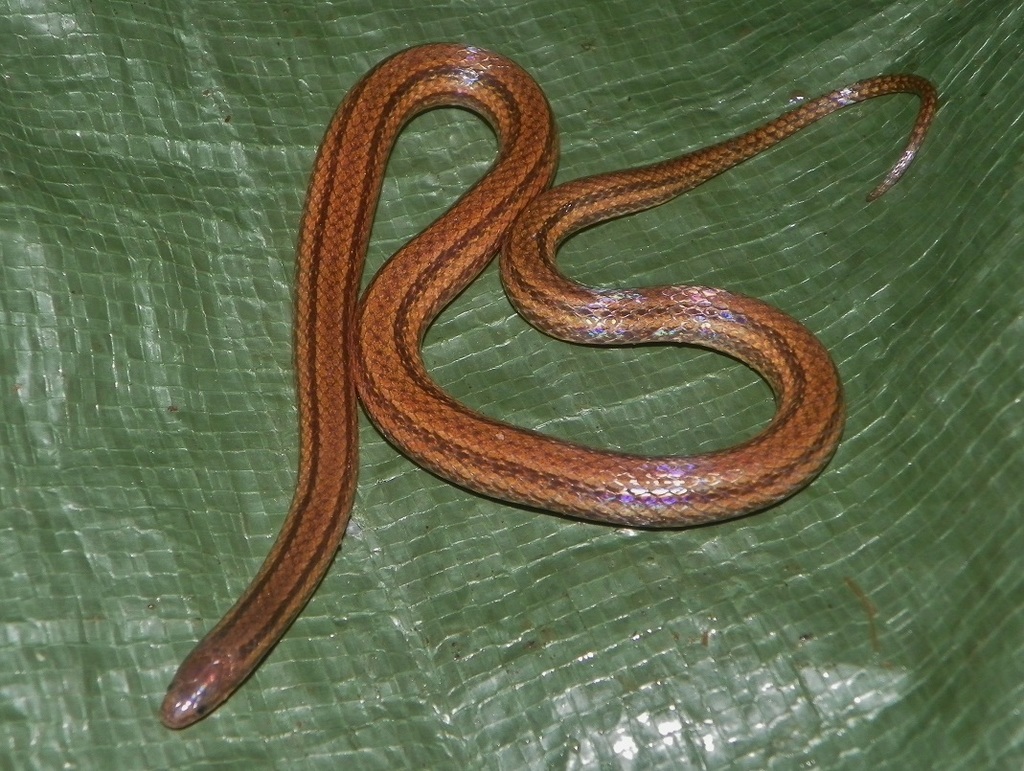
point(154, 161)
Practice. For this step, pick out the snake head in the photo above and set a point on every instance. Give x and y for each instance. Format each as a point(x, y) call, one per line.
point(202, 683)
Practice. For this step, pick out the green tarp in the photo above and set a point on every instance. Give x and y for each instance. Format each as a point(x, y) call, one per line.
point(154, 157)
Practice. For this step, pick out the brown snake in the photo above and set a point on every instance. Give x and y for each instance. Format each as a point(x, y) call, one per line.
point(343, 347)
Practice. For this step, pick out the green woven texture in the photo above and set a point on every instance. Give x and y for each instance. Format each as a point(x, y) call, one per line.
point(154, 163)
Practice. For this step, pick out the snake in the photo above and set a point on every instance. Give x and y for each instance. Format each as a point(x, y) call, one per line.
point(352, 349)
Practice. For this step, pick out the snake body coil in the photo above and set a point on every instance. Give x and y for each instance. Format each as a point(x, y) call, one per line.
point(373, 349)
